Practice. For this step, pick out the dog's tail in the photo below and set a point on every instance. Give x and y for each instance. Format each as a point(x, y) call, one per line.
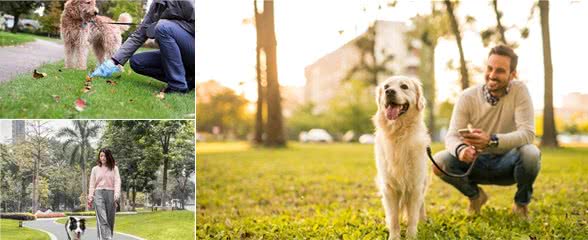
point(124, 18)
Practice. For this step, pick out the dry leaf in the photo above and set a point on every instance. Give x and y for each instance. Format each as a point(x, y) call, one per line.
point(131, 100)
point(88, 78)
point(161, 95)
point(87, 89)
point(111, 82)
point(38, 75)
point(56, 98)
point(80, 104)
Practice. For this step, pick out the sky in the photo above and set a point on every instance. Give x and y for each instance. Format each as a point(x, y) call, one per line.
point(307, 30)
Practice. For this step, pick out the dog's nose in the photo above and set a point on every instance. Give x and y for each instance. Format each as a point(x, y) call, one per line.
point(390, 92)
point(95, 13)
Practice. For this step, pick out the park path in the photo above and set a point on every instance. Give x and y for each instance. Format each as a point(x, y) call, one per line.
point(58, 230)
point(25, 58)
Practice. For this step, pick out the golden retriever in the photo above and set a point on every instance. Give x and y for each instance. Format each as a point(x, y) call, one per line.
point(400, 142)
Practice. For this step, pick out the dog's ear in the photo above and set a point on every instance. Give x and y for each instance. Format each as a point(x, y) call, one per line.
point(420, 98)
point(378, 94)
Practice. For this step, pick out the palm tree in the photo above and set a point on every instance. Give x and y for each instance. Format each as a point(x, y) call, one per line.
point(549, 138)
point(79, 138)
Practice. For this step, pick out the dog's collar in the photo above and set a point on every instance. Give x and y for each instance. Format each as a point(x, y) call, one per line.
point(85, 23)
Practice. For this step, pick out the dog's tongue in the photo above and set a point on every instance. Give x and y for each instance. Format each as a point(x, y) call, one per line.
point(78, 235)
point(392, 112)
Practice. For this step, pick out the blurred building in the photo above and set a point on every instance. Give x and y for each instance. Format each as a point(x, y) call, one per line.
point(18, 131)
point(325, 75)
point(574, 105)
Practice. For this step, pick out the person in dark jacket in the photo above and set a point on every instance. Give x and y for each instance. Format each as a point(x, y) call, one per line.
point(171, 23)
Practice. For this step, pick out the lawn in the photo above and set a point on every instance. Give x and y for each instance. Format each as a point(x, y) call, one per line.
point(327, 191)
point(9, 230)
point(131, 96)
point(10, 39)
point(161, 225)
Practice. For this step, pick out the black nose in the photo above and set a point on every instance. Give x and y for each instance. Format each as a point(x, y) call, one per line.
point(390, 92)
point(95, 13)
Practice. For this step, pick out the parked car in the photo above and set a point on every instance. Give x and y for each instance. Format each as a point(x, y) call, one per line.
point(366, 139)
point(315, 135)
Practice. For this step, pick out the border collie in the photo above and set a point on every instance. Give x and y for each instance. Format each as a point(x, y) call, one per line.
point(75, 228)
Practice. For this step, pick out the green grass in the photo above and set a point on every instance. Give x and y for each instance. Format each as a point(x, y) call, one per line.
point(162, 225)
point(10, 39)
point(9, 230)
point(327, 191)
point(134, 96)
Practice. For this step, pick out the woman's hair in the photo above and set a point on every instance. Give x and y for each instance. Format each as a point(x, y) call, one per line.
point(109, 159)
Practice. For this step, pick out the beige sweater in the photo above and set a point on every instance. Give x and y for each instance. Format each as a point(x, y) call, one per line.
point(511, 119)
point(103, 178)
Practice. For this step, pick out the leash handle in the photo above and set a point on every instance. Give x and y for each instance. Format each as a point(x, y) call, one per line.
point(449, 174)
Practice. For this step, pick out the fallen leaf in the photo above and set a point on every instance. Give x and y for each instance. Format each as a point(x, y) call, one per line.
point(161, 95)
point(38, 75)
point(56, 98)
point(131, 100)
point(59, 70)
point(80, 104)
point(111, 82)
point(88, 78)
point(113, 91)
point(87, 89)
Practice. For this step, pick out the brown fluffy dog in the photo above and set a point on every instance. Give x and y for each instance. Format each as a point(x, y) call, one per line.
point(81, 26)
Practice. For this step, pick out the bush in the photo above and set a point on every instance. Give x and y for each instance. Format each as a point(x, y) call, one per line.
point(50, 215)
point(88, 213)
point(18, 216)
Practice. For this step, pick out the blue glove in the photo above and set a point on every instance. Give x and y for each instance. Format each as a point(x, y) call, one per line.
point(106, 69)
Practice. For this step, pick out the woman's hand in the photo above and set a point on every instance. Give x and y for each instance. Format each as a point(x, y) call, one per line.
point(90, 201)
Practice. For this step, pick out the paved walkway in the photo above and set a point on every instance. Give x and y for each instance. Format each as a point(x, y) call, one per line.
point(57, 230)
point(26, 57)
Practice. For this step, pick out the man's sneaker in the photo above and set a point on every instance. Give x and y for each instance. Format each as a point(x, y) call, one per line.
point(521, 210)
point(476, 204)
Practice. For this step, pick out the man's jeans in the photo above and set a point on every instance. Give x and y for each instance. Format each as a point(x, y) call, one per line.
point(174, 62)
point(520, 165)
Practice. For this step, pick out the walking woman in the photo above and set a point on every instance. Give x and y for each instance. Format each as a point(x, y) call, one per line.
point(104, 193)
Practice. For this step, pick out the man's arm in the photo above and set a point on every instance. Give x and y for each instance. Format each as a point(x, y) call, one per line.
point(524, 120)
point(459, 119)
point(137, 38)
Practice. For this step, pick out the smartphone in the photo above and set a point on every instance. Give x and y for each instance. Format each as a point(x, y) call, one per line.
point(464, 131)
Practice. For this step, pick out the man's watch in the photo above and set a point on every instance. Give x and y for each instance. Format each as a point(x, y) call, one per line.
point(493, 143)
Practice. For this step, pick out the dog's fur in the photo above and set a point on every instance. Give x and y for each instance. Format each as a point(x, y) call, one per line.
point(400, 143)
point(75, 228)
point(81, 27)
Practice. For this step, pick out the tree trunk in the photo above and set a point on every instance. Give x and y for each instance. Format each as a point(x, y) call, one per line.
point(15, 26)
point(498, 22)
point(465, 82)
point(134, 198)
point(258, 139)
point(427, 75)
point(275, 127)
point(165, 164)
point(84, 180)
point(549, 138)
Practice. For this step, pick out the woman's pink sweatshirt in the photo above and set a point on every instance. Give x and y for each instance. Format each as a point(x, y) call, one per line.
point(103, 178)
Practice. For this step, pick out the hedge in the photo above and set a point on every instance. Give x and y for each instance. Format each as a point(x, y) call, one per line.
point(18, 216)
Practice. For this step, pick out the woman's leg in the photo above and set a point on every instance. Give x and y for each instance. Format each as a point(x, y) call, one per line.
point(101, 203)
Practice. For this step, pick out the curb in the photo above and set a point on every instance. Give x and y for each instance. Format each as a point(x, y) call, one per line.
point(51, 236)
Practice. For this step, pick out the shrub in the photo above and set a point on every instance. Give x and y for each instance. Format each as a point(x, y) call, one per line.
point(18, 216)
point(88, 213)
point(50, 215)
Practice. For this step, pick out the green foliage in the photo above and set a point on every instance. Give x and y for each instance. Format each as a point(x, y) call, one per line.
point(226, 110)
point(132, 7)
point(317, 191)
point(50, 21)
point(11, 230)
point(304, 118)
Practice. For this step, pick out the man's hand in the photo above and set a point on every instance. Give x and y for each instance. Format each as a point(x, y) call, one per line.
point(468, 154)
point(106, 69)
point(477, 138)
